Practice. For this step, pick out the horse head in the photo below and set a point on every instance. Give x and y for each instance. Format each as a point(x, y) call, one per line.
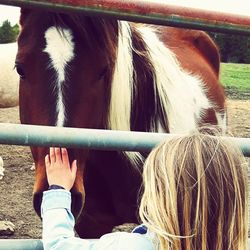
point(65, 65)
point(78, 71)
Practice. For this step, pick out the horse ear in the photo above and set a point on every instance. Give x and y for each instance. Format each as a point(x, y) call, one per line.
point(24, 14)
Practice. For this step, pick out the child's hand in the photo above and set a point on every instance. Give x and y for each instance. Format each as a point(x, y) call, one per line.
point(58, 168)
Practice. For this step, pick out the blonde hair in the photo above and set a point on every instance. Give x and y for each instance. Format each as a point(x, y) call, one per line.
point(195, 194)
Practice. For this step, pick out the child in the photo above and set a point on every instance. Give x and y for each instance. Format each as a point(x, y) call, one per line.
point(194, 198)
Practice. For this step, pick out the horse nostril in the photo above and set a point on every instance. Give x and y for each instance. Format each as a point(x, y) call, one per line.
point(77, 204)
point(37, 200)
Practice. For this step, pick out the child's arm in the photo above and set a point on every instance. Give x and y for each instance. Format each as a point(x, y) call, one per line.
point(58, 221)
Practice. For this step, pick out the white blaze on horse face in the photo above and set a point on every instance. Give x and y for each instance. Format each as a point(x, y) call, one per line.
point(60, 49)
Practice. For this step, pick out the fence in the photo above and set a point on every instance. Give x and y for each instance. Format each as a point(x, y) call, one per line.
point(138, 11)
point(21, 244)
point(146, 12)
point(90, 138)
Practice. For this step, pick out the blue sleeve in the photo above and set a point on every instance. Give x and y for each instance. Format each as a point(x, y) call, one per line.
point(58, 229)
point(58, 222)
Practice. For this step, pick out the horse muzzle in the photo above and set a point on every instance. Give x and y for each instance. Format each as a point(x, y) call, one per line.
point(76, 203)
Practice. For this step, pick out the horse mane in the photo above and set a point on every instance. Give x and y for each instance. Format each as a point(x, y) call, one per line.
point(134, 104)
point(133, 87)
point(149, 85)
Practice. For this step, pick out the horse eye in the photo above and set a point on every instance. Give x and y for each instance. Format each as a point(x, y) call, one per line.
point(20, 71)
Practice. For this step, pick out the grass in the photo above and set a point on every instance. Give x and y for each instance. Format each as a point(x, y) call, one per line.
point(236, 77)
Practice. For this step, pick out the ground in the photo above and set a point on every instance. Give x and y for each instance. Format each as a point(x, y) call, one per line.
point(16, 186)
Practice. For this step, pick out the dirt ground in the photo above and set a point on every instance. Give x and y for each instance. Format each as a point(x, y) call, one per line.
point(16, 186)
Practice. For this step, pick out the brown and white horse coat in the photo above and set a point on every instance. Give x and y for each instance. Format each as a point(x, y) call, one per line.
point(78, 71)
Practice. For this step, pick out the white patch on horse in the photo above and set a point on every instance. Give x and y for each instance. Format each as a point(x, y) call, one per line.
point(182, 95)
point(60, 49)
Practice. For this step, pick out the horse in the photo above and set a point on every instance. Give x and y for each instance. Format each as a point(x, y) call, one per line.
point(104, 73)
point(9, 79)
point(8, 82)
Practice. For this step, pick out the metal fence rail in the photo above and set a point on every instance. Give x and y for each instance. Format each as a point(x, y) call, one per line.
point(29, 244)
point(146, 12)
point(21, 244)
point(16, 134)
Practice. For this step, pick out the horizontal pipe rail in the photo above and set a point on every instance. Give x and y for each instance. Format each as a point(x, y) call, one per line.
point(29, 244)
point(16, 134)
point(147, 12)
point(21, 244)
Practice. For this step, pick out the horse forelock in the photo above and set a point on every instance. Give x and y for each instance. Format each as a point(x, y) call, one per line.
point(96, 33)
